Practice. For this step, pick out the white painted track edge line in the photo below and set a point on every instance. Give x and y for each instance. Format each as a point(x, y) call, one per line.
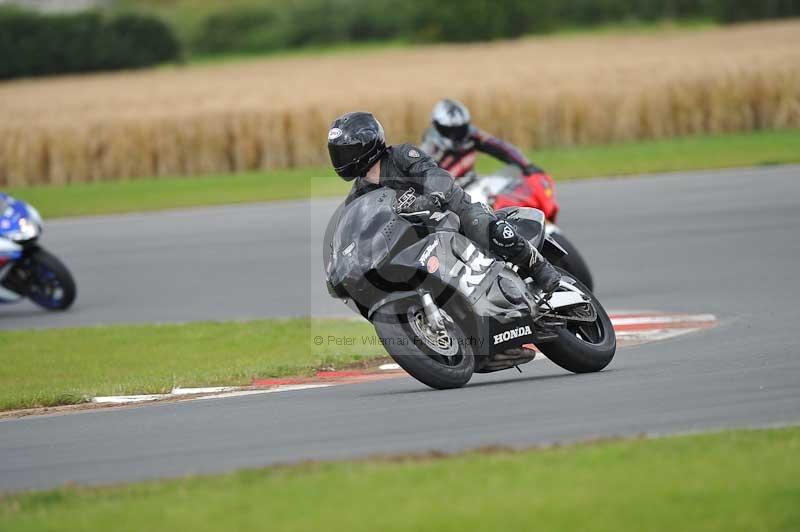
point(678, 318)
point(123, 399)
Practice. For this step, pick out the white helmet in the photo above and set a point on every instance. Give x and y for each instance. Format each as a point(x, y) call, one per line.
point(451, 119)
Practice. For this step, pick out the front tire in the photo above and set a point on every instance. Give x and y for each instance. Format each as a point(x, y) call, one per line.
point(583, 347)
point(45, 280)
point(414, 352)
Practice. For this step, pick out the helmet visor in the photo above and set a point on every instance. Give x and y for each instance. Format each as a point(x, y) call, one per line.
point(344, 154)
point(454, 133)
point(348, 159)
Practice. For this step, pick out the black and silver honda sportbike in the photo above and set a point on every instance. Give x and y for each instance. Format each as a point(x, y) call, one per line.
point(443, 309)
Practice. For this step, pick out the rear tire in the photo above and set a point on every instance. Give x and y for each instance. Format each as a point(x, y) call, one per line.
point(583, 348)
point(413, 353)
point(574, 262)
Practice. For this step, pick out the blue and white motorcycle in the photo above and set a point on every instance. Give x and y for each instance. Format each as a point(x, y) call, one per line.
point(27, 269)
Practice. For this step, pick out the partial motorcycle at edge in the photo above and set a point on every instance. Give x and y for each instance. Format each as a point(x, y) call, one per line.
point(27, 270)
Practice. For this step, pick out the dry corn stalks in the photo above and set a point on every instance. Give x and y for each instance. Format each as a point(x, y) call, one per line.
point(274, 113)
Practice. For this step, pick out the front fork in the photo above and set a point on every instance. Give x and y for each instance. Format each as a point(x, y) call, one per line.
point(432, 314)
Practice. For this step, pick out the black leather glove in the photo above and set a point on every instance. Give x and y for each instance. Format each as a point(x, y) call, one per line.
point(420, 208)
point(505, 240)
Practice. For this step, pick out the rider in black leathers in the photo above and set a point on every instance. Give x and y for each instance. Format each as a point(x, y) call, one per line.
point(452, 141)
point(357, 147)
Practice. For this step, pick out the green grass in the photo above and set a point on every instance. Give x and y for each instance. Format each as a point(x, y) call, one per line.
point(311, 50)
point(158, 194)
point(749, 149)
point(65, 366)
point(686, 153)
point(730, 481)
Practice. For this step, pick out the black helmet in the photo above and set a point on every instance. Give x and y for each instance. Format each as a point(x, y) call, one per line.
point(355, 142)
point(451, 120)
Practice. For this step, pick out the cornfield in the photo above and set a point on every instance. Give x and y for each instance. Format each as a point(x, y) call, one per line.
point(274, 113)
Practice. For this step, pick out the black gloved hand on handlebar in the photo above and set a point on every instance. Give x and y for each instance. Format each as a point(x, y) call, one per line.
point(420, 208)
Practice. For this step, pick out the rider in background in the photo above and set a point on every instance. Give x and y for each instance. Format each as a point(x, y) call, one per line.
point(453, 142)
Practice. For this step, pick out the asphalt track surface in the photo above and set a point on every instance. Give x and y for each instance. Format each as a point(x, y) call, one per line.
point(723, 242)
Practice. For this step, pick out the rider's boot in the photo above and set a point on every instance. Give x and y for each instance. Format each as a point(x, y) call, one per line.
point(541, 271)
point(509, 244)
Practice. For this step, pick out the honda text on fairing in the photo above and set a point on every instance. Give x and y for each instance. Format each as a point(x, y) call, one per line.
point(26, 269)
point(443, 309)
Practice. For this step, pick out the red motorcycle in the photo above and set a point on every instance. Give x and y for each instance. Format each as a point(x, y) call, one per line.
point(508, 188)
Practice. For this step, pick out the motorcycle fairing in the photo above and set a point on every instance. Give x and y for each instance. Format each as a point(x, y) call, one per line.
point(14, 213)
point(10, 252)
point(535, 190)
point(480, 291)
point(377, 258)
point(363, 235)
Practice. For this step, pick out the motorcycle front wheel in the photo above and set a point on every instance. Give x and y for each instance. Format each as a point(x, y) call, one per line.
point(442, 360)
point(44, 279)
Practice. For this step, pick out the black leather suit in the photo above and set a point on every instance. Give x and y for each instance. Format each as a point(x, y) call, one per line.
point(404, 167)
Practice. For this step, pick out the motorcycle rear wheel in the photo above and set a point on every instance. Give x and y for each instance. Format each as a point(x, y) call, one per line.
point(574, 262)
point(417, 354)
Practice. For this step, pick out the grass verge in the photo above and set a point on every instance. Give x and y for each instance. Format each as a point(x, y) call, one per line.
point(691, 153)
point(154, 194)
point(66, 366)
point(737, 480)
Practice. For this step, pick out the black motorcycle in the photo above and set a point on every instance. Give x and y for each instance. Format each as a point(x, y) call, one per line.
point(443, 309)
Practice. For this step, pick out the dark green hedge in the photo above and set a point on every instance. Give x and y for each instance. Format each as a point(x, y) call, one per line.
point(741, 10)
point(293, 24)
point(298, 24)
point(33, 44)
